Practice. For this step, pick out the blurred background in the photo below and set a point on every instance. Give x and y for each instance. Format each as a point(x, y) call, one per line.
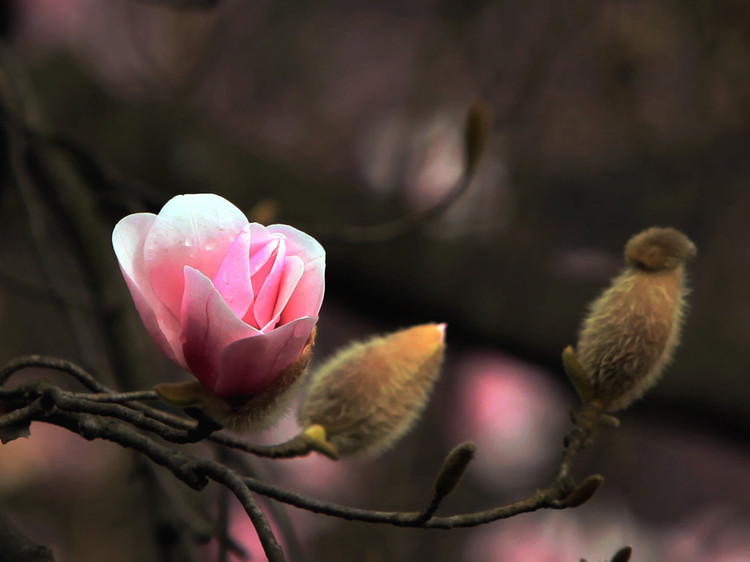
point(609, 117)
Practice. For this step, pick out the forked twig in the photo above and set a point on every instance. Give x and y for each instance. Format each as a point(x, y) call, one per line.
point(119, 417)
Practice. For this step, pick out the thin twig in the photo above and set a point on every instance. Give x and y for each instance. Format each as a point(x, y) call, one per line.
point(227, 543)
point(176, 528)
point(235, 483)
point(35, 291)
point(93, 418)
point(396, 228)
point(54, 363)
point(223, 525)
point(98, 171)
point(73, 201)
point(475, 134)
point(185, 467)
point(37, 223)
point(298, 446)
point(121, 396)
point(241, 463)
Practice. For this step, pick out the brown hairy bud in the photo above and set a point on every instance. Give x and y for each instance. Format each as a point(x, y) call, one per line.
point(370, 394)
point(246, 412)
point(633, 328)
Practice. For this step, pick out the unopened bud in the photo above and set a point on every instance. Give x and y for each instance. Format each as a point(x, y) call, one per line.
point(623, 555)
point(179, 393)
point(454, 466)
point(633, 328)
point(584, 491)
point(370, 394)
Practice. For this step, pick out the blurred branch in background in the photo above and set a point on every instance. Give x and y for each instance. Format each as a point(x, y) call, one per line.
point(475, 136)
point(56, 195)
point(18, 547)
point(184, 4)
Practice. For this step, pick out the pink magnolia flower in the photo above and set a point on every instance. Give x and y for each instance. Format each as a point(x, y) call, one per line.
point(233, 302)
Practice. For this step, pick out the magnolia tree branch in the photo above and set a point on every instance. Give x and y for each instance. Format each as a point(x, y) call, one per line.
point(177, 429)
point(120, 418)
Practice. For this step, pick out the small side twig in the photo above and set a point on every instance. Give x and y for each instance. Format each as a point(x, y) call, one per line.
point(454, 466)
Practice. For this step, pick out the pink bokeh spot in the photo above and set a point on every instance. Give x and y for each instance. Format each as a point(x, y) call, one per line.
point(241, 531)
point(231, 301)
point(514, 412)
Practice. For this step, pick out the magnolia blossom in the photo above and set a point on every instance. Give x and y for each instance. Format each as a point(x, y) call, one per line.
point(233, 302)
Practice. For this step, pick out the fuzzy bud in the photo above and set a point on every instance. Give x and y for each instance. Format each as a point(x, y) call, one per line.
point(633, 328)
point(370, 394)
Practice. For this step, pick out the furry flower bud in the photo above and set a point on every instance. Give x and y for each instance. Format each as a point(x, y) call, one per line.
point(633, 328)
point(370, 394)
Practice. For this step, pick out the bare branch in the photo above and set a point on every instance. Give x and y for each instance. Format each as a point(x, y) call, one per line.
point(184, 4)
point(94, 417)
point(476, 131)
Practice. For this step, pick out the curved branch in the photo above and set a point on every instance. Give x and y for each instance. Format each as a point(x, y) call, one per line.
point(475, 134)
point(61, 408)
point(298, 446)
point(101, 416)
point(192, 470)
point(54, 363)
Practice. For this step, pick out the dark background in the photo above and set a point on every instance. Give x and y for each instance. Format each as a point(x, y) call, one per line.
point(609, 117)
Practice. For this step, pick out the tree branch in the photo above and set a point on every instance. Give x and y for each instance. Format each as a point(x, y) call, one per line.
point(94, 418)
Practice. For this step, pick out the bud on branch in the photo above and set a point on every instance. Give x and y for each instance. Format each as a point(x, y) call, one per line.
point(370, 394)
point(633, 328)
